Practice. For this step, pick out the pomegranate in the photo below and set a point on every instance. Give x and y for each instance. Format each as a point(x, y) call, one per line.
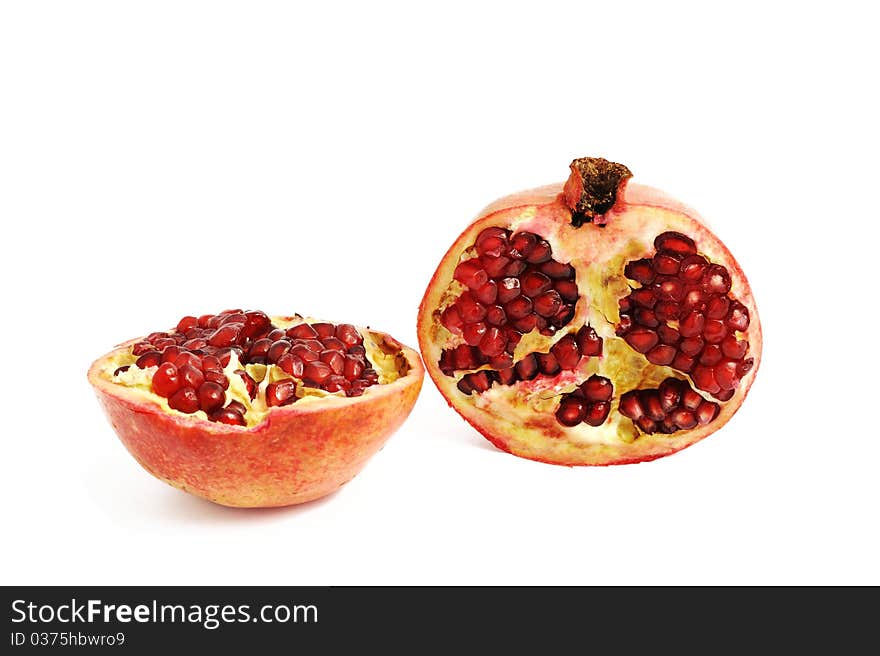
point(594, 322)
point(249, 410)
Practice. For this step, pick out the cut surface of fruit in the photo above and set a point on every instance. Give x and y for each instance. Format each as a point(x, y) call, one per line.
point(598, 284)
point(250, 410)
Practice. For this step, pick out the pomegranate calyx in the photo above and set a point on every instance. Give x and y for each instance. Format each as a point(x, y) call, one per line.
point(591, 189)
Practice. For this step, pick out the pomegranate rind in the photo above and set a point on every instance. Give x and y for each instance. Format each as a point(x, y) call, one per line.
point(298, 453)
point(640, 211)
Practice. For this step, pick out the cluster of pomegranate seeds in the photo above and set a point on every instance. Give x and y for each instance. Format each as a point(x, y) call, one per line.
point(564, 355)
point(590, 403)
point(191, 359)
point(513, 286)
point(683, 316)
point(673, 406)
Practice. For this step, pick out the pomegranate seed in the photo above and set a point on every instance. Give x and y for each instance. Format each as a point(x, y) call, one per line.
point(226, 335)
point(171, 353)
point(597, 413)
point(186, 323)
point(557, 270)
point(335, 360)
point(357, 349)
point(644, 297)
point(495, 316)
point(316, 372)
point(563, 316)
point(501, 361)
point(692, 268)
point(302, 331)
point(121, 370)
point(670, 393)
point(277, 349)
point(540, 253)
point(493, 342)
point(738, 317)
point(464, 357)
point(352, 368)
point(683, 362)
point(589, 343)
point(726, 376)
point(211, 396)
point(716, 280)
point(625, 325)
point(166, 380)
point(190, 376)
point(513, 337)
point(707, 412)
point(624, 304)
point(515, 269)
point(534, 283)
point(690, 399)
point(487, 293)
point(671, 290)
point(725, 394)
point(548, 364)
point(204, 320)
point(217, 377)
point(470, 309)
point(647, 425)
point(567, 290)
point(282, 392)
point(249, 382)
point(667, 311)
point(312, 344)
point(642, 339)
point(238, 405)
point(507, 375)
point(452, 320)
point(704, 379)
point(527, 368)
point(645, 317)
point(348, 335)
point(566, 352)
point(255, 323)
point(733, 348)
point(717, 307)
point(185, 400)
point(508, 289)
point(521, 245)
point(149, 359)
point(464, 385)
point(473, 332)
point(668, 335)
point(597, 388)
point(195, 344)
point(370, 375)
point(481, 381)
point(470, 274)
point(494, 266)
point(694, 299)
point(630, 406)
point(336, 383)
point(711, 355)
point(651, 403)
point(548, 303)
point(164, 342)
point(324, 329)
point(691, 346)
point(237, 317)
point(492, 241)
point(642, 271)
point(526, 324)
point(675, 243)
point(571, 411)
point(303, 352)
point(683, 419)
point(156, 336)
point(662, 354)
point(692, 324)
point(292, 365)
point(665, 264)
point(228, 415)
point(518, 307)
point(141, 347)
point(260, 347)
point(714, 331)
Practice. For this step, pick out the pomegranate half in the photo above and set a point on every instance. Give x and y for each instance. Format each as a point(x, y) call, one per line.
point(249, 410)
point(594, 322)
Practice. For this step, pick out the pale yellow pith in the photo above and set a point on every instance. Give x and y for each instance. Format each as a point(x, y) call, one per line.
point(389, 363)
point(525, 410)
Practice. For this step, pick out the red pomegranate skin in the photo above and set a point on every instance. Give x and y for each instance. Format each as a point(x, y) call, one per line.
point(299, 453)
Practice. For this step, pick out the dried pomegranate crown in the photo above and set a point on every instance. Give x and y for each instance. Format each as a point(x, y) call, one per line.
point(573, 323)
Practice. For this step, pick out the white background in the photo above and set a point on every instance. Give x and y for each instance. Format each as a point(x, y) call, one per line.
point(167, 158)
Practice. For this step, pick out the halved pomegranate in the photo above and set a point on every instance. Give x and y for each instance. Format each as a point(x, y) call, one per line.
point(249, 410)
point(592, 323)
